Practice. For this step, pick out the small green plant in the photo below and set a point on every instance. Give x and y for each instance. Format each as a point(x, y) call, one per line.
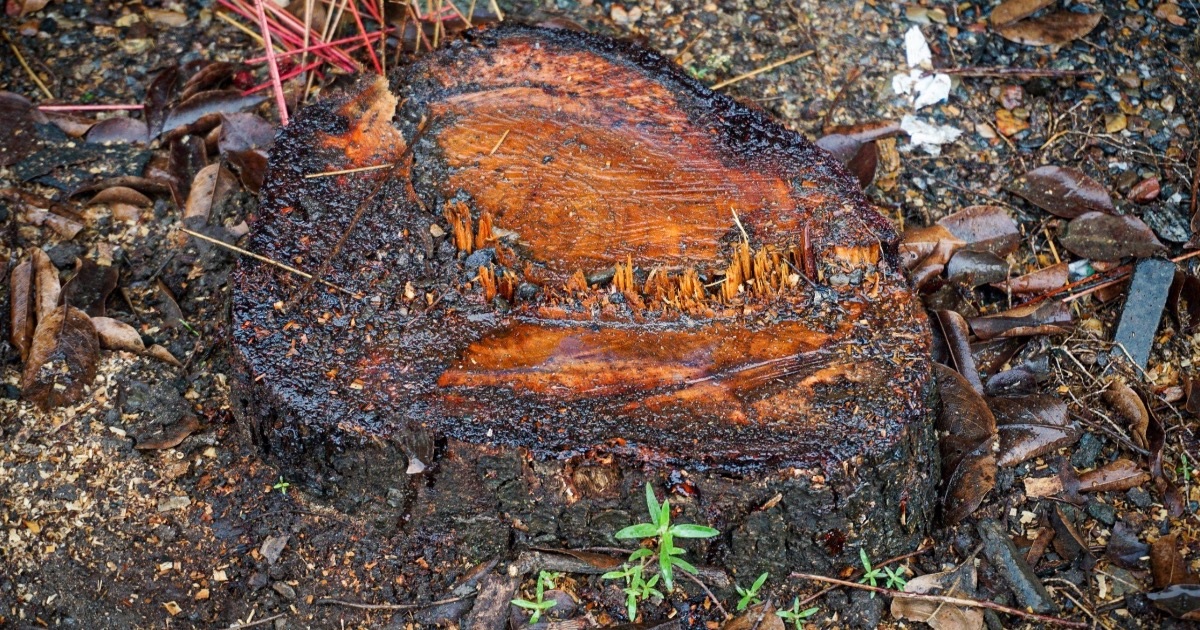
point(546, 579)
point(895, 578)
point(660, 527)
point(1184, 468)
point(795, 615)
point(750, 595)
point(637, 587)
point(870, 575)
point(281, 486)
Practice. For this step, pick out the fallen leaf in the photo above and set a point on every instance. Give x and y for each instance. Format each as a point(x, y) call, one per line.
point(89, 287)
point(941, 616)
point(187, 156)
point(1109, 237)
point(967, 444)
point(71, 124)
point(856, 148)
point(251, 167)
point(1055, 29)
point(212, 185)
point(211, 76)
point(1068, 543)
point(23, 308)
point(121, 194)
point(67, 228)
point(1130, 407)
point(171, 436)
point(117, 335)
point(244, 131)
point(1116, 476)
point(1124, 548)
point(158, 97)
point(1166, 563)
point(972, 269)
point(925, 251)
point(954, 330)
point(204, 109)
point(1048, 318)
point(1013, 10)
point(162, 354)
point(18, 125)
point(1183, 300)
point(1030, 426)
point(62, 359)
point(119, 129)
point(1062, 191)
point(1040, 281)
point(984, 229)
point(46, 289)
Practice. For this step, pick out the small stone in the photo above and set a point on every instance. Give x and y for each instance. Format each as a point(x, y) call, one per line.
point(481, 258)
point(1102, 512)
point(174, 503)
point(1008, 124)
point(1139, 497)
point(1012, 96)
point(283, 589)
point(257, 581)
point(436, 230)
point(1145, 191)
point(1115, 123)
point(1087, 451)
point(272, 548)
point(1010, 564)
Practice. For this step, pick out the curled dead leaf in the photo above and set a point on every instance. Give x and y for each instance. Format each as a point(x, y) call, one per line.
point(941, 616)
point(1054, 29)
point(1036, 282)
point(47, 288)
point(119, 129)
point(984, 229)
point(1048, 318)
point(1166, 563)
point(1013, 10)
point(210, 187)
point(22, 307)
point(171, 436)
point(925, 251)
point(121, 194)
point(968, 437)
point(954, 330)
point(117, 335)
point(62, 359)
point(162, 354)
point(1131, 408)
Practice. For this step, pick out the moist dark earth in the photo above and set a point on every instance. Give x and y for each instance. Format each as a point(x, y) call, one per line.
point(98, 534)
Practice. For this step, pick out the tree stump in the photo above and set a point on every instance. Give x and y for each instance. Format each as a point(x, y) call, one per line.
point(564, 268)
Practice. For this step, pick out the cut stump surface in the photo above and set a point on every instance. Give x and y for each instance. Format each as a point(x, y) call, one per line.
point(588, 271)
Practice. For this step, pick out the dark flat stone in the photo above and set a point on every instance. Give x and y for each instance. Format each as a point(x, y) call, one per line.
point(1010, 564)
point(1143, 308)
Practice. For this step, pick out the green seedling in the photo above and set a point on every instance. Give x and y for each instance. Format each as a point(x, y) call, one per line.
point(637, 588)
point(1184, 468)
point(282, 486)
point(795, 615)
point(660, 528)
point(546, 579)
point(750, 595)
point(895, 578)
point(870, 575)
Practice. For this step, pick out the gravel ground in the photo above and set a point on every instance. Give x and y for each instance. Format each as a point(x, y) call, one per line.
point(98, 534)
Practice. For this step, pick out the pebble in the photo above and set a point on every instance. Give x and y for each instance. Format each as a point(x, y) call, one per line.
point(283, 589)
point(1139, 497)
point(1088, 450)
point(1102, 512)
point(257, 581)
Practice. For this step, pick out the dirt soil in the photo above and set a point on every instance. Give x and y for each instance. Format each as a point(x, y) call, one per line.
point(98, 534)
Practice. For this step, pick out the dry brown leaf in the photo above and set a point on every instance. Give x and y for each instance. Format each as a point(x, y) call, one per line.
point(941, 616)
point(1166, 563)
point(62, 359)
point(47, 288)
point(19, 8)
point(1040, 281)
point(211, 185)
point(925, 251)
point(1107, 237)
point(1048, 318)
point(117, 335)
point(984, 229)
point(1030, 426)
point(1117, 476)
point(1013, 10)
point(1062, 191)
point(968, 431)
point(958, 343)
point(67, 228)
point(1129, 405)
point(121, 194)
point(1055, 29)
point(23, 309)
point(171, 436)
point(162, 354)
point(759, 617)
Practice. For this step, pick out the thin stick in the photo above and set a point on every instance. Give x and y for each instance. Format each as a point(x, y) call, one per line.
point(262, 259)
point(338, 602)
point(348, 170)
point(499, 142)
point(32, 75)
point(1008, 72)
point(1114, 274)
point(499, 13)
point(766, 68)
point(89, 108)
point(953, 601)
point(724, 613)
point(280, 100)
point(363, 30)
point(264, 620)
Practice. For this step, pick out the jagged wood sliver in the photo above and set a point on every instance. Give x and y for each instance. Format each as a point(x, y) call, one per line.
point(588, 272)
